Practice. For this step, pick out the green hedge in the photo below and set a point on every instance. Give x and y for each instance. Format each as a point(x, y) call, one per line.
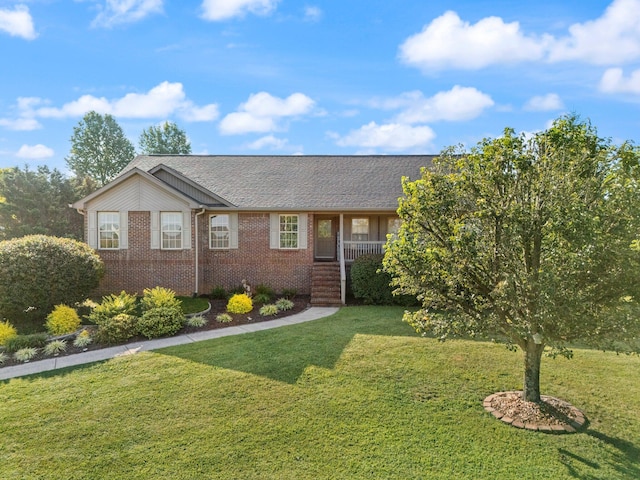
point(371, 284)
point(38, 272)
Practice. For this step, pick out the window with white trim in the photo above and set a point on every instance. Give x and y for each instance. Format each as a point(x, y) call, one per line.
point(171, 230)
point(219, 231)
point(359, 229)
point(108, 230)
point(289, 231)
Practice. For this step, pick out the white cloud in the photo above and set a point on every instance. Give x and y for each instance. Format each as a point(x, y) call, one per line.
point(34, 152)
point(20, 124)
point(216, 10)
point(261, 112)
point(389, 137)
point(457, 104)
point(116, 12)
point(614, 81)
point(18, 22)
point(312, 14)
point(448, 42)
point(544, 103)
point(161, 101)
point(610, 39)
point(269, 141)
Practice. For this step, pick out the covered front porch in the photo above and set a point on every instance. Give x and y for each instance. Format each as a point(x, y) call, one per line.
point(343, 237)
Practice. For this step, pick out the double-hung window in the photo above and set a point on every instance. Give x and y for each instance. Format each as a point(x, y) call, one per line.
point(289, 231)
point(171, 230)
point(219, 231)
point(359, 229)
point(108, 230)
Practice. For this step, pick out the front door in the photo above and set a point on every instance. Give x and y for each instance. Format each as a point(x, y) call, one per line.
point(326, 238)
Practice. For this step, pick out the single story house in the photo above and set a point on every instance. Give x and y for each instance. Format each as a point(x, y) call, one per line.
point(194, 222)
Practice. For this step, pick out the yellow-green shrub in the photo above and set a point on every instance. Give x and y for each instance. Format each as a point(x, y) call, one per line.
point(239, 303)
point(7, 331)
point(62, 320)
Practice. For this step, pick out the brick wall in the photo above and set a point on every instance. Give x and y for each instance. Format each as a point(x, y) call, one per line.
point(139, 267)
point(253, 260)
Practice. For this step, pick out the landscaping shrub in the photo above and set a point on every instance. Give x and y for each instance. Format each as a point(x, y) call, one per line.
point(7, 331)
point(36, 340)
point(62, 320)
point(159, 297)
point(224, 318)
point(82, 339)
point(160, 321)
point(55, 347)
point(196, 321)
point(25, 354)
point(38, 272)
point(284, 304)
point(268, 310)
point(266, 290)
point(3, 358)
point(239, 303)
point(218, 293)
point(371, 284)
point(118, 328)
point(289, 293)
point(113, 305)
point(261, 298)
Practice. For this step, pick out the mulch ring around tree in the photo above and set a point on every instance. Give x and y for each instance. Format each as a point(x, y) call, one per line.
point(551, 415)
point(300, 303)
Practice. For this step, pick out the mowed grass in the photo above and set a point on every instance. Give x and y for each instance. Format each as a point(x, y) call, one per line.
point(354, 396)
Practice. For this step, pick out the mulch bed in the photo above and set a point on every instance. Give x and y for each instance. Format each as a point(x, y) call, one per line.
point(300, 303)
point(551, 415)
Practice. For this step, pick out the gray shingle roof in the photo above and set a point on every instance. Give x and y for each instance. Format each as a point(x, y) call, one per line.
point(296, 182)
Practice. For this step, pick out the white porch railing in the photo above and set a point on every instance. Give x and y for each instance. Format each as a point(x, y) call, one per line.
point(353, 250)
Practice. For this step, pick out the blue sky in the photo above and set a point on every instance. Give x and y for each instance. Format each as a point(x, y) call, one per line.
point(317, 77)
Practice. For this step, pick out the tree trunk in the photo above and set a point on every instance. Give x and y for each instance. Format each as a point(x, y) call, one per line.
point(532, 358)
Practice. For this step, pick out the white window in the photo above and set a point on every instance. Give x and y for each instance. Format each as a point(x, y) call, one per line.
point(171, 229)
point(219, 231)
point(289, 231)
point(359, 229)
point(108, 230)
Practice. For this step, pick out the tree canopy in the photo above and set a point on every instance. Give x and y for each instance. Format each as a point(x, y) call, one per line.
point(37, 202)
point(167, 138)
point(99, 148)
point(525, 239)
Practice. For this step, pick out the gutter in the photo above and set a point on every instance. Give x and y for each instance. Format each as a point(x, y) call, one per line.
point(197, 264)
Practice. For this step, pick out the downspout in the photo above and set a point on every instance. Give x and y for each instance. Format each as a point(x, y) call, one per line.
point(197, 265)
point(343, 269)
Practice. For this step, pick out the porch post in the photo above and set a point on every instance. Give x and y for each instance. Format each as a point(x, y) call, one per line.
point(343, 270)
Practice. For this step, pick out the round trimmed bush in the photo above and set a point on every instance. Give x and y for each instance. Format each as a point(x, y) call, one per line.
point(38, 272)
point(118, 328)
point(62, 320)
point(240, 303)
point(160, 322)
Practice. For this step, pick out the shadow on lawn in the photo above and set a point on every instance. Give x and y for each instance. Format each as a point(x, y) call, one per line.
point(625, 459)
point(283, 354)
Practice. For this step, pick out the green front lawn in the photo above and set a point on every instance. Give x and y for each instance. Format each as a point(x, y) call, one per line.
point(354, 396)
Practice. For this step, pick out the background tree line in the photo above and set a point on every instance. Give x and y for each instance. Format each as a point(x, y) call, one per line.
point(37, 201)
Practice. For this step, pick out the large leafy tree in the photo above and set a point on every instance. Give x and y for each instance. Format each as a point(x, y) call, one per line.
point(37, 202)
point(167, 138)
point(99, 148)
point(526, 240)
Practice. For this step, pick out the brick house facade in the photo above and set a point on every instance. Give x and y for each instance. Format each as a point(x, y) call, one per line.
point(192, 223)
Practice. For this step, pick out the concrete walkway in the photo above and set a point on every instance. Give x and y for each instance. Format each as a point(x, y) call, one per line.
point(54, 363)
